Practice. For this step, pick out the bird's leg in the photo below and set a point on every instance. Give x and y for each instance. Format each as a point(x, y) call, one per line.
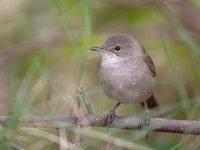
point(146, 120)
point(111, 115)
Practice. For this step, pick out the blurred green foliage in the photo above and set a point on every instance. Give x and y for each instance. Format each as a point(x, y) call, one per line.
point(44, 58)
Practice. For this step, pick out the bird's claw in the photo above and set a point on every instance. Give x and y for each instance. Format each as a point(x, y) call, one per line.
point(145, 123)
point(108, 119)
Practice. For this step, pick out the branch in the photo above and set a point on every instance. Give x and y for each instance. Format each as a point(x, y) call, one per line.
point(130, 123)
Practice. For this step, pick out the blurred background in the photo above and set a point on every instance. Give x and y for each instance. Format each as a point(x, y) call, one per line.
point(45, 57)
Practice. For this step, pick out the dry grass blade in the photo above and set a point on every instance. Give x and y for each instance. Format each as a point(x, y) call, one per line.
point(62, 138)
point(86, 102)
point(114, 140)
point(49, 136)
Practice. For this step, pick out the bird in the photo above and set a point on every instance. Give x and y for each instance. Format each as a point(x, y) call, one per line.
point(127, 73)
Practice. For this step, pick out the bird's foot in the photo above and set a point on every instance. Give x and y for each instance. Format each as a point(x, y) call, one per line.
point(145, 123)
point(108, 119)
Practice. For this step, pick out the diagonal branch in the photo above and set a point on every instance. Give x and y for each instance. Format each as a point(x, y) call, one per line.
point(130, 123)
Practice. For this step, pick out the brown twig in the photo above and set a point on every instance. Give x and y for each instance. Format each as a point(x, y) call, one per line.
point(77, 135)
point(130, 123)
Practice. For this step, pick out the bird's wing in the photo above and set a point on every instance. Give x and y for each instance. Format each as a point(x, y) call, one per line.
point(150, 64)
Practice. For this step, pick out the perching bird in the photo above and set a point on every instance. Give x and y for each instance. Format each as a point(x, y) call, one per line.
point(127, 73)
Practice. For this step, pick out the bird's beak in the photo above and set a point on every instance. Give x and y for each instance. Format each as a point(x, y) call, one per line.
point(96, 48)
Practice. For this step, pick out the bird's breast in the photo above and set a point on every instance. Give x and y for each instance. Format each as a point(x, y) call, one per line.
point(126, 83)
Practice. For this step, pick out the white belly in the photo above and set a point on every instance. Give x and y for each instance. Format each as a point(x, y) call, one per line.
point(126, 84)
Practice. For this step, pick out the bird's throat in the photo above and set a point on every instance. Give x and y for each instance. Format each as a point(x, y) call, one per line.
point(110, 59)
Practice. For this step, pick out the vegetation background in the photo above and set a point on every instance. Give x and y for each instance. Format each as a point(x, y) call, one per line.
point(45, 57)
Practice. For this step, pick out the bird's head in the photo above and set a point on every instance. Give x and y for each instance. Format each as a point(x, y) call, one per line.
point(122, 45)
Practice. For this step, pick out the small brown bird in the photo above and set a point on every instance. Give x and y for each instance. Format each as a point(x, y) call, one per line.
point(127, 73)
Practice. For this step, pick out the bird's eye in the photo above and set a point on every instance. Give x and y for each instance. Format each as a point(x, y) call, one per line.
point(117, 48)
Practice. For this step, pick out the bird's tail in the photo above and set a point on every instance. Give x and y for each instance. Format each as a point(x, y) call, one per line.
point(151, 103)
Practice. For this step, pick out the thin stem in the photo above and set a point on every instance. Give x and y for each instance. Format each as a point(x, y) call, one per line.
point(62, 138)
point(86, 102)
